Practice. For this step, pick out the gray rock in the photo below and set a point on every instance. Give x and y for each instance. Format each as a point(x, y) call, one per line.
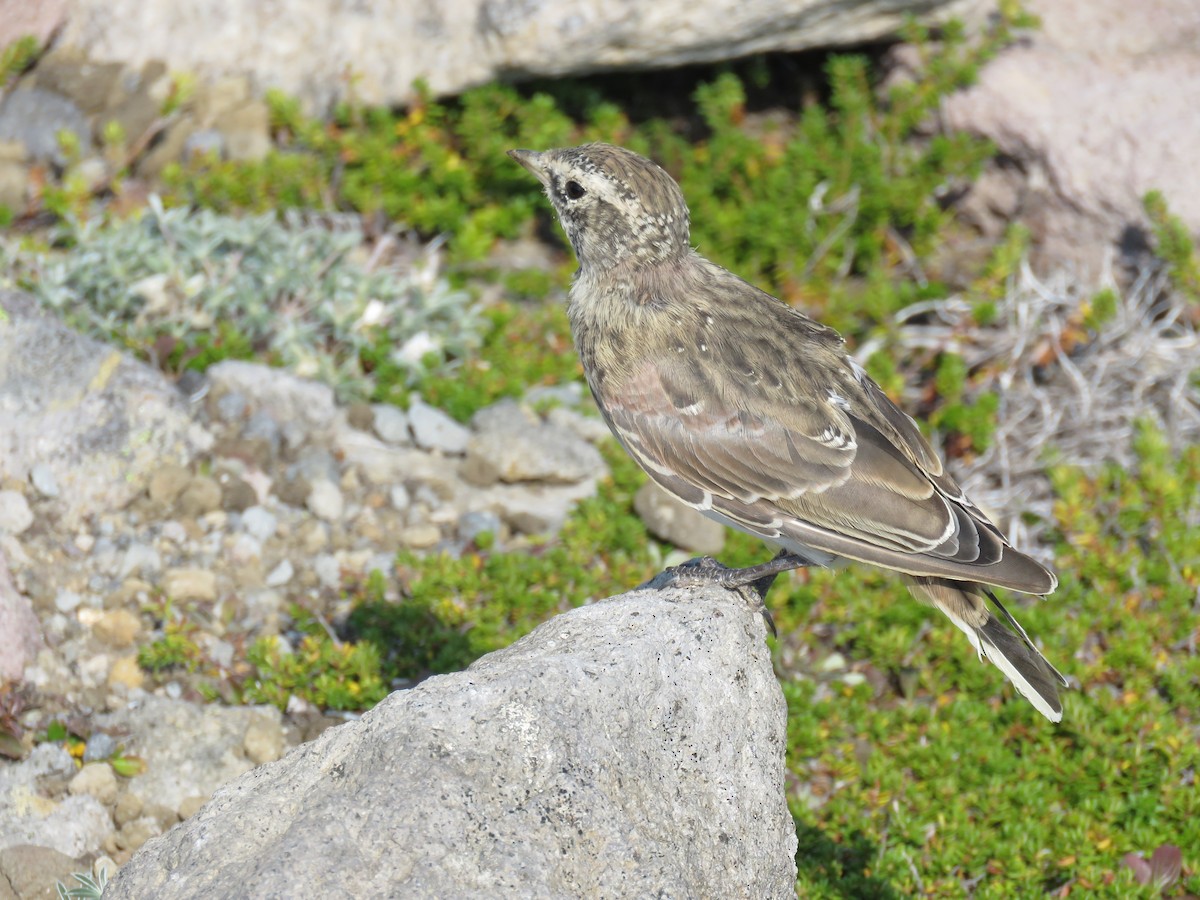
point(231, 406)
point(29, 871)
point(590, 428)
point(99, 746)
point(511, 444)
point(67, 601)
point(15, 514)
point(181, 583)
point(20, 633)
point(533, 508)
point(399, 497)
point(74, 825)
point(261, 426)
point(140, 559)
point(434, 430)
point(290, 400)
point(98, 419)
point(189, 750)
point(677, 523)
point(325, 500)
point(202, 495)
point(42, 478)
point(391, 424)
point(473, 524)
point(34, 117)
point(281, 574)
point(328, 570)
point(167, 483)
point(204, 142)
point(630, 748)
point(259, 522)
point(456, 44)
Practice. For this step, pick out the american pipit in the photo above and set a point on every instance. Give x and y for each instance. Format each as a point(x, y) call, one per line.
point(753, 413)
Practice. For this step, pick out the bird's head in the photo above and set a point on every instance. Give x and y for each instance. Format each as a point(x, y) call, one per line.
point(614, 205)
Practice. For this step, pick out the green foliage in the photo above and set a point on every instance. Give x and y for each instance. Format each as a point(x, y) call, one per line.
point(1102, 309)
point(16, 57)
point(176, 649)
point(922, 785)
point(415, 637)
point(325, 672)
point(523, 347)
point(840, 191)
point(90, 887)
point(1174, 245)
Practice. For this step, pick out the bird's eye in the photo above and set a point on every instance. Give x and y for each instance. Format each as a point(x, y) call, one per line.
point(574, 190)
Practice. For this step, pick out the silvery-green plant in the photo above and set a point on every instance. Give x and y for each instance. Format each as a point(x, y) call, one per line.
point(91, 887)
point(305, 294)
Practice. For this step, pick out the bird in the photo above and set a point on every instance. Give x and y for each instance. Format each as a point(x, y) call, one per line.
point(753, 413)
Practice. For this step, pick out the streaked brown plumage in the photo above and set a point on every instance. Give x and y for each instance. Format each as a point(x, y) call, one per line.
point(753, 413)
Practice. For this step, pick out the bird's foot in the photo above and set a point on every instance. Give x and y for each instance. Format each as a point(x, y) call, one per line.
point(752, 582)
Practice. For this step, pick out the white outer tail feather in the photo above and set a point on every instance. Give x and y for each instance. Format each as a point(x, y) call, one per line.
point(985, 648)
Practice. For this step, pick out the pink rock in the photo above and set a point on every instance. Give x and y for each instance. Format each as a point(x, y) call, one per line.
point(1096, 108)
point(34, 18)
point(20, 634)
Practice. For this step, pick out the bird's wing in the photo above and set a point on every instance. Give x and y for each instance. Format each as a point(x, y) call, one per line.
point(831, 468)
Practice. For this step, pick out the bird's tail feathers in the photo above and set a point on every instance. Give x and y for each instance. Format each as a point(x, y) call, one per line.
point(1012, 652)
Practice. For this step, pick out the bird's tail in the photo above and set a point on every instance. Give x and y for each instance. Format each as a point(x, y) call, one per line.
point(1008, 647)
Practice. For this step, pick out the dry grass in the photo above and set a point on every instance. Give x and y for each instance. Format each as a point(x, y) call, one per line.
point(1066, 393)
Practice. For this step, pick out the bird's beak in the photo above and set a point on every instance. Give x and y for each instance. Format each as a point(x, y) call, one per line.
point(533, 161)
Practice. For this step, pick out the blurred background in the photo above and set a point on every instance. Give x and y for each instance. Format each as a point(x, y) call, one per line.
point(290, 416)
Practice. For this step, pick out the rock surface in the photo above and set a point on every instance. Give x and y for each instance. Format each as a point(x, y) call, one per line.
point(20, 634)
point(634, 747)
point(307, 47)
point(1092, 110)
point(671, 520)
point(97, 419)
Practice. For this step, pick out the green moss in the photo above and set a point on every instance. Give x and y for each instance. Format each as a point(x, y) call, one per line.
point(1174, 245)
point(328, 674)
point(16, 57)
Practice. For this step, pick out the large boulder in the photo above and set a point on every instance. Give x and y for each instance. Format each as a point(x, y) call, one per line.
point(321, 49)
point(1089, 112)
point(95, 420)
point(631, 748)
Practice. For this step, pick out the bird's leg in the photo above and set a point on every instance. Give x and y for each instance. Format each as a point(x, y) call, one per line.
point(753, 580)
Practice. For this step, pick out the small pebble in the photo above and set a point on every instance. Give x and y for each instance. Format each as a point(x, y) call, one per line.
point(41, 476)
point(15, 514)
point(328, 570)
point(99, 746)
point(231, 406)
point(391, 425)
point(167, 483)
point(202, 495)
point(95, 780)
point(173, 531)
point(420, 537)
point(281, 574)
point(67, 601)
point(435, 430)
point(190, 584)
point(246, 548)
point(325, 500)
point(399, 497)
